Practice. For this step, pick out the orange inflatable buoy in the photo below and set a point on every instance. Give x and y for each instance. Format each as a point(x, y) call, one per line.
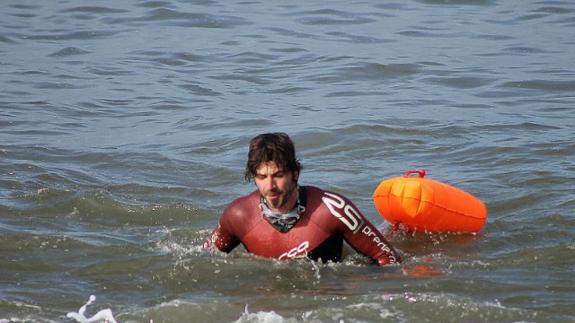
point(421, 204)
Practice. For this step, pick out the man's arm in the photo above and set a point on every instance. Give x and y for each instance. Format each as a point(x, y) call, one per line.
point(358, 232)
point(221, 239)
point(371, 243)
point(224, 236)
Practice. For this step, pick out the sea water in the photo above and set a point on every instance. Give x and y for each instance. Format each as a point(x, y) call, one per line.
point(124, 128)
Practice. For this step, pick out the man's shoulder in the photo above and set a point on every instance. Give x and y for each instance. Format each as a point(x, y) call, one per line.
point(323, 200)
point(313, 190)
point(242, 206)
point(320, 194)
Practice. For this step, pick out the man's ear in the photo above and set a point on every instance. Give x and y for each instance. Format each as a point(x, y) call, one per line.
point(295, 176)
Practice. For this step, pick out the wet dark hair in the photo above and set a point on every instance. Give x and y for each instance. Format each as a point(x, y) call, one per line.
point(276, 147)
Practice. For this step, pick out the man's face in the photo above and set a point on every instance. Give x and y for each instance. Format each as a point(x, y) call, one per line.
point(277, 186)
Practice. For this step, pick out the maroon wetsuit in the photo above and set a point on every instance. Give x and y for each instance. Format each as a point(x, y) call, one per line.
point(328, 219)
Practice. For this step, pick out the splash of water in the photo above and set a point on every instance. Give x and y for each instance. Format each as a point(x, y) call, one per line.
point(261, 317)
point(102, 316)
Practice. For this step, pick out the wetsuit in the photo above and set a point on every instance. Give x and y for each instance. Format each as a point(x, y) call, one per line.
point(328, 219)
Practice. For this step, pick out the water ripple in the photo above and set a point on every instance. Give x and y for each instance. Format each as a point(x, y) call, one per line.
point(331, 17)
point(95, 9)
point(69, 51)
point(65, 36)
point(542, 85)
point(182, 19)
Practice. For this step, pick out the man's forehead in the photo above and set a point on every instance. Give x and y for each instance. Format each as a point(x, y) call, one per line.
point(268, 167)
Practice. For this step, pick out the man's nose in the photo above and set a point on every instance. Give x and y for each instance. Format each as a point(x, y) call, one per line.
point(271, 183)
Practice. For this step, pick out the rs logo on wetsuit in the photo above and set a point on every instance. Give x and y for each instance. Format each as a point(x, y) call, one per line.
point(350, 216)
point(295, 252)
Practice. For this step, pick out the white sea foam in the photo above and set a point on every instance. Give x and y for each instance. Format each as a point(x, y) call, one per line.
point(260, 317)
point(102, 316)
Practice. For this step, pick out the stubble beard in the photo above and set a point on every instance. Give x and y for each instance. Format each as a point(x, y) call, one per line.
point(281, 202)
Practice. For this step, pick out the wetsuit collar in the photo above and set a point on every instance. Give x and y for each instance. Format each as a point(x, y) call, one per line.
point(284, 221)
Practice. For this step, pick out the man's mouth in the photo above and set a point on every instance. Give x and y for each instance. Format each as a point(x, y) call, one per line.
point(274, 196)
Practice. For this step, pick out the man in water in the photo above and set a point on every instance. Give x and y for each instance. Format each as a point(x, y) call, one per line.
point(284, 220)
